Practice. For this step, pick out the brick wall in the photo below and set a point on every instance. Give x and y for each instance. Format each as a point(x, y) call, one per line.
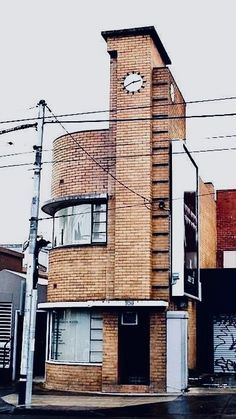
point(192, 335)
point(226, 223)
point(163, 131)
point(133, 168)
point(73, 171)
point(77, 274)
point(208, 237)
point(158, 351)
point(73, 377)
point(10, 260)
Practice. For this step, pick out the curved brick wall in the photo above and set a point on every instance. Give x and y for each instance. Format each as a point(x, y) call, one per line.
point(73, 377)
point(79, 273)
point(74, 172)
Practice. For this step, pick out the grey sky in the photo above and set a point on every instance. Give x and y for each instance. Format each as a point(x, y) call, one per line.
point(53, 50)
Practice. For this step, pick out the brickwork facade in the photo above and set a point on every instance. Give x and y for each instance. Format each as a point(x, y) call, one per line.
point(162, 132)
point(226, 223)
point(208, 236)
point(131, 164)
point(9, 259)
point(192, 335)
point(81, 378)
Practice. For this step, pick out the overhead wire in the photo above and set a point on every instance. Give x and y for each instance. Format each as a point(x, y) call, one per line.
point(7, 121)
point(55, 161)
point(162, 211)
point(99, 164)
point(155, 117)
point(142, 119)
point(45, 150)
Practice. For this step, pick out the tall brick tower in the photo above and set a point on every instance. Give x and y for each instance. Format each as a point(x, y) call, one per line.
point(110, 266)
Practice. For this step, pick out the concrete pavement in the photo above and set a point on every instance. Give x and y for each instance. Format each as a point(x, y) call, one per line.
point(87, 401)
point(49, 401)
point(201, 403)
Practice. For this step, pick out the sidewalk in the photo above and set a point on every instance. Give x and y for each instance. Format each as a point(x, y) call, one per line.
point(49, 401)
point(207, 402)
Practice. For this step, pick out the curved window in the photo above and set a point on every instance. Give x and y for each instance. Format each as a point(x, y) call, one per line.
point(80, 224)
point(76, 336)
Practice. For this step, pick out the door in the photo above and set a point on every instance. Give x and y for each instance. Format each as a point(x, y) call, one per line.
point(177, 351)
point(40, 344)
point(134, 348)
point(5, 342)
point(224, 330)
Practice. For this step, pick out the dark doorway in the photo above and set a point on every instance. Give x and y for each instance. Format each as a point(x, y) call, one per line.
point(134, 348)
point(40, 344)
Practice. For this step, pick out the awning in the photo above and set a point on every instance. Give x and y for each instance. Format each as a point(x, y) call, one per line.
point(104, 303)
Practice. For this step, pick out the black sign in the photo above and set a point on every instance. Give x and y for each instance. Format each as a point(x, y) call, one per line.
point(191, 280)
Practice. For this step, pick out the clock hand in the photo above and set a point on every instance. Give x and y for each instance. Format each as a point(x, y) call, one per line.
point(134, 81)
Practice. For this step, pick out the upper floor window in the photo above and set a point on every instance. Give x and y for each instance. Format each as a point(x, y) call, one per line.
point(80, 224)
point(230, 259)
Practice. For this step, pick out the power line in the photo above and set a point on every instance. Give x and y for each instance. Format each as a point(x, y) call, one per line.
point(19, 153)
point(142, 119)
point(99, 164)
point(88, 212)
point(124, 207)
point(121, 156)
point(215, 137)
point(8, 121)
point(20, 127)
point(125, 156)
point(109, 145)
point(7, 166)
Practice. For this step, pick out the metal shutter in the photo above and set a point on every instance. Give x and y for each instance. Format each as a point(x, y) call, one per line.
point(5, 334)
point(224, 330)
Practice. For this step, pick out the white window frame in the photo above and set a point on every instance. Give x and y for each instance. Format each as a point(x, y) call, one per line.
point(92, 341)
point(229, 258)
point(60, 234)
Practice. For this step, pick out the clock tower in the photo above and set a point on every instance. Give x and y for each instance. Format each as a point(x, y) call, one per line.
point(145, 105)
point(138, 61)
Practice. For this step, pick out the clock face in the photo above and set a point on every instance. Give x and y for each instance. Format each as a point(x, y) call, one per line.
point(133, 82)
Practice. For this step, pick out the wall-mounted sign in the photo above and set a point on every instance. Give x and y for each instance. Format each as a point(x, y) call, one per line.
point(190, 243)
point(184, 220)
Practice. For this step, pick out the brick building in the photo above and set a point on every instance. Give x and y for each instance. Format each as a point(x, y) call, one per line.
point(123, 270)
point(12, 291)
point(217, 313)
point(10, 259)
point(226, 228)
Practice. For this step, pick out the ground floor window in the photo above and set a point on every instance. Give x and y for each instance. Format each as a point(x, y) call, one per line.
point(76, 336)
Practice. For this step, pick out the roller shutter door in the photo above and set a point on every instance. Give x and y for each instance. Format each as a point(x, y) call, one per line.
point(5, 334)
point(224, 334)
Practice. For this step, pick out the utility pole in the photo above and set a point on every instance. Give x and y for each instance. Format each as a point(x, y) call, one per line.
point(28, 339)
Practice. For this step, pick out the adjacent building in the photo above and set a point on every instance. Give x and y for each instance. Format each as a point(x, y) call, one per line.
point(217, 313)
point(12, 294)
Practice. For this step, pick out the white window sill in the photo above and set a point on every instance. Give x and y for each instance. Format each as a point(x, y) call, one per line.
point(85, 364)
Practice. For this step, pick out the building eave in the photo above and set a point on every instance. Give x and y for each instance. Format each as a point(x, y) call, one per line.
point(145, 30)
point(104, 303)
point(53, 205)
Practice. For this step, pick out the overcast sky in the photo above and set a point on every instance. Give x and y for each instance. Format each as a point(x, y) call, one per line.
point(53, 50)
